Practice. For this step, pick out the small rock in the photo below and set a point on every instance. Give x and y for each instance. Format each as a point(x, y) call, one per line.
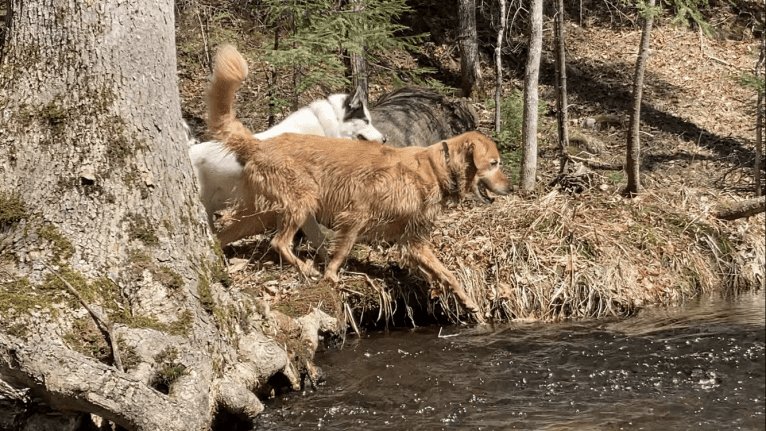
point(88, 174)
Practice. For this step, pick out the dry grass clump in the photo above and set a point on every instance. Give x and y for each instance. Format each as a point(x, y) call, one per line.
point(594, 256)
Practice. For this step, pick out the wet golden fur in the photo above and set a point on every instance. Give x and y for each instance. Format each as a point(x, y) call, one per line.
point(358, 188)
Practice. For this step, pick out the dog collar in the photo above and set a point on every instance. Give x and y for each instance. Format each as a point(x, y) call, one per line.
point(452, 180)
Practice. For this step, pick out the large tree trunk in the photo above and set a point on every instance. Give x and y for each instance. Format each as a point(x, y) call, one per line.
point(531, 74)
point(499, 66)
point(633, 159)
point(561, 84)
point(468, 42)
point(96, 188)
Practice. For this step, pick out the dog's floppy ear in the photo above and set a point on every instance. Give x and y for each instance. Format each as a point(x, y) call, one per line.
point(470, 150)
point(445, 148)
point(479, 151)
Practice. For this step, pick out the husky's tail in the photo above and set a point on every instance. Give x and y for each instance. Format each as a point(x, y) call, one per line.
point(229, 72)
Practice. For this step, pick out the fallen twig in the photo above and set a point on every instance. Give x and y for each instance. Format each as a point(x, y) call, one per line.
point(350, 316)
point(596, 164)
point(445, 336)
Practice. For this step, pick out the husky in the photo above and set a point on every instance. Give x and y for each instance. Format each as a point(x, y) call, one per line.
point(414, 116)
point(337, 116)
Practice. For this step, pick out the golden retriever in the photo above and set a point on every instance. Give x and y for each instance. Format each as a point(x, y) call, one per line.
point(359, 188)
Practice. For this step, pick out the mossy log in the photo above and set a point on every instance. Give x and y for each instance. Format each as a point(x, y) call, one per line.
point(741, 209)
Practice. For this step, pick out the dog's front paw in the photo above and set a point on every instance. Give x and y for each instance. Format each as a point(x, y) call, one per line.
point(332, 277)
point(474, 310)
point(479, 318)
point(308, 269)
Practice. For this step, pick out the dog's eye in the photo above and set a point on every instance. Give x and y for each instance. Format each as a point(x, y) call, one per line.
point(494, 162)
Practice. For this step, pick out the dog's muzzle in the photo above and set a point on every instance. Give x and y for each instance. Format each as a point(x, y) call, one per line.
point(480, 191)
point(364, 138)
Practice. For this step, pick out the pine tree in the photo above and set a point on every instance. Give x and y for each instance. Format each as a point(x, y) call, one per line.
point(321, 34)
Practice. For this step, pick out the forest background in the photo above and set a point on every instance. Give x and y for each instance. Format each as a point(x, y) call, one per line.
point(115, 302)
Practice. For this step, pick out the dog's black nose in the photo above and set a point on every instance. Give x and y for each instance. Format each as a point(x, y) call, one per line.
point(384, 139)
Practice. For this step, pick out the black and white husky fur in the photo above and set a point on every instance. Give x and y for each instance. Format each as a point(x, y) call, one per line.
point(338, 116)
point(414, 116)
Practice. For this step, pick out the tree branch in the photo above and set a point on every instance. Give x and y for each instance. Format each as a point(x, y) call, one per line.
point(595, 164)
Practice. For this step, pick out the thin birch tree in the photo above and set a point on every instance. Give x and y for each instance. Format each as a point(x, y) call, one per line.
point(633, 159)
point(499, 65)
point(561, 87)
point(358, 61)
point(531, 75)
point(759, 68)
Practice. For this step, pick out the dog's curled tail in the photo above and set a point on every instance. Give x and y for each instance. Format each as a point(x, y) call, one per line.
point(229, 71)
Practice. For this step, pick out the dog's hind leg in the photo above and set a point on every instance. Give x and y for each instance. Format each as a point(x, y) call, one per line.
point(420, 254)
point(288, 225)
point(342, 246)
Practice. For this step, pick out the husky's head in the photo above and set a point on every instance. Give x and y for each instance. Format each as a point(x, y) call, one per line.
point(356, 121)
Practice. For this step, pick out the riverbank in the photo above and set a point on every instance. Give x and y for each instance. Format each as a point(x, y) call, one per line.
point(548, 258)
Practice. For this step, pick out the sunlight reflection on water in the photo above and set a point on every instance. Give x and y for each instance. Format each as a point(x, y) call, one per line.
point(698, 366)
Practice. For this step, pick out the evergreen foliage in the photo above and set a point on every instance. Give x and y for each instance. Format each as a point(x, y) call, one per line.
point(749, 80)
point(320, 34)
point(687, 10)
point(512, 117)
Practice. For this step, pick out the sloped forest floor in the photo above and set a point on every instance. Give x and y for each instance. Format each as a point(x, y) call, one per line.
point(561, 252)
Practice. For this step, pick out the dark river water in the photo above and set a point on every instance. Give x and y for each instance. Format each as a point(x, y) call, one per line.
point(701, 366)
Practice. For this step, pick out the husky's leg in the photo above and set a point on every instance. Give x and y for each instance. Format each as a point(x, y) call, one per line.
point(316, 237)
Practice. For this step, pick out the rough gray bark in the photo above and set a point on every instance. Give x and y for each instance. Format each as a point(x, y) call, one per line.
point(633, 159)
point(561, 84)
point(359, 72)
point(468, 42)
point(499, 65)
point(531, 74)
point(95, 173)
